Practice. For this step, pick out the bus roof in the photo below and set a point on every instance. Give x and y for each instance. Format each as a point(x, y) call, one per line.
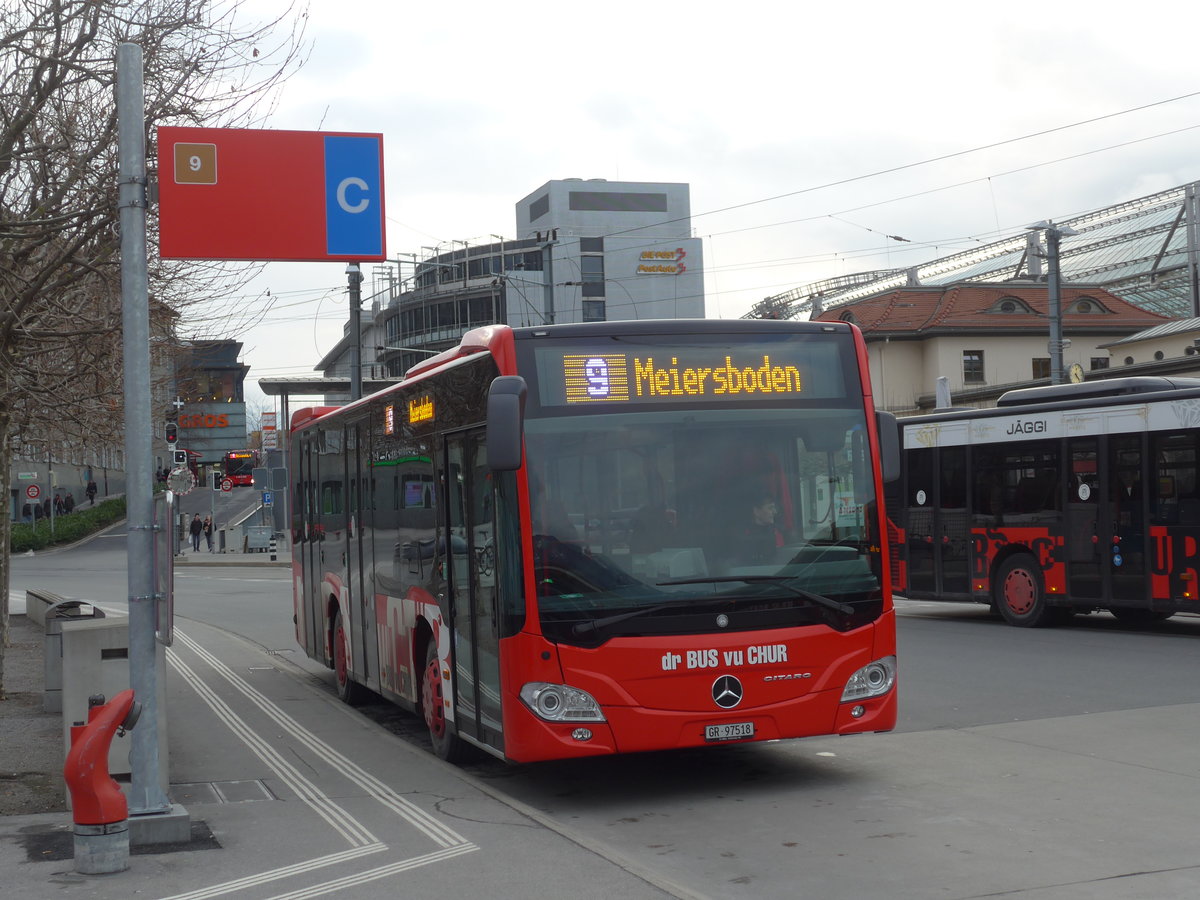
point(677, 326)
point(1090, 390)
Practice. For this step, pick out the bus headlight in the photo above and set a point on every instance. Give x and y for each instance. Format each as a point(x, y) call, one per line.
point(873, 680)
point(559, 703)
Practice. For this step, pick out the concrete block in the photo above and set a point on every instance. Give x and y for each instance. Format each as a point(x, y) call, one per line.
point(173, 826)
point(95, 660)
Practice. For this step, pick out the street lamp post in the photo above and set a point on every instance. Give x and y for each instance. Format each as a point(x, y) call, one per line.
point(1054, 233)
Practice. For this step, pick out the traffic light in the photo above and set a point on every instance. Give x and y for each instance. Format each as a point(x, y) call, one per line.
point(180, 457)
point(172, 432)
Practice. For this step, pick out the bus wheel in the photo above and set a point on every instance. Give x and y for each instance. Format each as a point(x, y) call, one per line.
point(348, 690)
point(445, 744)
point(1019, 597)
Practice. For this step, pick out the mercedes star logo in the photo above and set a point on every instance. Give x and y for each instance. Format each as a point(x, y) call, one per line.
point(727, 692)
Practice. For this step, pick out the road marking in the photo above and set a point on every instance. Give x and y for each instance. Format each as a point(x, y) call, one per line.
point(276, 874)
point(395, 868)
point(341, 821)
point(401, 806)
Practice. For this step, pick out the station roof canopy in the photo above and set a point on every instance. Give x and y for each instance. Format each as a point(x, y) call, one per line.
point(319, 386)
point(1137, 250)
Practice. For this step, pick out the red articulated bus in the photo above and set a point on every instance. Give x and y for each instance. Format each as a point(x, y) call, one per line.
point(238, 466)
point(1063, 500)
point(603, 538)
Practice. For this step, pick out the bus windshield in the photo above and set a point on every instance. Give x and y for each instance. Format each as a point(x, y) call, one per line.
point(648, 521)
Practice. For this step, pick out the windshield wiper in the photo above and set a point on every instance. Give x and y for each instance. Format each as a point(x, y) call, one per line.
point(595, 624)
point(779, 580)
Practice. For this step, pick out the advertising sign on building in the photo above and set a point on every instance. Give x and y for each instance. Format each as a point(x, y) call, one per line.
point(269, 436)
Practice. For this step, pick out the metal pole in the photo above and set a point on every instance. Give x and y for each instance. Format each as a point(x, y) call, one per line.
point(50, 484)
point(548, 266)
point(145, 795)
point(1192, 226)
point(1056, 322)
point(354, 280)
point(500, 315)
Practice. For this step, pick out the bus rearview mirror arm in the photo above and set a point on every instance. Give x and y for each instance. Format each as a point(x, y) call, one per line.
point(506, 422)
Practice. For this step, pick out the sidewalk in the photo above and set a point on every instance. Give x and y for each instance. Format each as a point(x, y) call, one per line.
point(235, 557)
point(290, 793)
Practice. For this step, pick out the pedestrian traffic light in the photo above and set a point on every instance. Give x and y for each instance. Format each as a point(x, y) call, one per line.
point(172, 432)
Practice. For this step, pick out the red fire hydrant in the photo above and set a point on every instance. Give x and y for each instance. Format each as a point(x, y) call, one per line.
point(100, 810)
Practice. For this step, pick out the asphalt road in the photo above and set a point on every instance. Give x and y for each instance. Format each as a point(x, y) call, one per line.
point(1054, 763)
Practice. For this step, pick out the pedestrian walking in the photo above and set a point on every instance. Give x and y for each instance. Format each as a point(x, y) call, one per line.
point(69, 503)
point(58, 504)
point(208, 532)
point(196, 529)
point(26, 513)
point(91, 493)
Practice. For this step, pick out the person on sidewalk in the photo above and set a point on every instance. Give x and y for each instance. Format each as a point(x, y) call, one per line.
point(208, 532)
point(195, 529)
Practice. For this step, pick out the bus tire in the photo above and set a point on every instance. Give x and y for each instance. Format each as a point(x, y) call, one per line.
point(1019, 594)
point(349, 691)
point(446, 745)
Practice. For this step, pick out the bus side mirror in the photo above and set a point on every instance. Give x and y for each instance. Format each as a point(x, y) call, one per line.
point(506, 422)
point(889, 444)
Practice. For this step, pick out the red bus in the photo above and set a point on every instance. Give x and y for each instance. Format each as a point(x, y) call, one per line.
point(602, 538)
point(238, 466)
point(1062, 500)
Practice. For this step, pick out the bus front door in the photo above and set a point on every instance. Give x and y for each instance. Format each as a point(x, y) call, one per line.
point(1086, 524)
point(310, 611)
point(939, 531)
point(470, 504)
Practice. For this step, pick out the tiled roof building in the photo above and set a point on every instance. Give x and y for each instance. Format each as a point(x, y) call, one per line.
point(985, 338)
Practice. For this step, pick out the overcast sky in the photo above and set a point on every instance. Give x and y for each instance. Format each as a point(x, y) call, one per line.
point(779, 117)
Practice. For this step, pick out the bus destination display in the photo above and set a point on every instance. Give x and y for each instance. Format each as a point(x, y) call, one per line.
point(787, 371)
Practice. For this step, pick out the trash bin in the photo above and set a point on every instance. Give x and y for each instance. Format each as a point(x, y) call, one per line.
point(56, 614)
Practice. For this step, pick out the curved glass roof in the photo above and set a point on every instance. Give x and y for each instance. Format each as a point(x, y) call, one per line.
point(1137, 250)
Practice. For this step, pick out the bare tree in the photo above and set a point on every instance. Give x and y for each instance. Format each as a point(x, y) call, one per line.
point(205, 63)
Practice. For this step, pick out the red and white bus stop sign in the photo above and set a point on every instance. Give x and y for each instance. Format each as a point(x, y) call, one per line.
point(33, 492)
point(227, 485)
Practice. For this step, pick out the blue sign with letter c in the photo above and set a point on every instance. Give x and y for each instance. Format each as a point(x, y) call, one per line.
point(353, 201)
